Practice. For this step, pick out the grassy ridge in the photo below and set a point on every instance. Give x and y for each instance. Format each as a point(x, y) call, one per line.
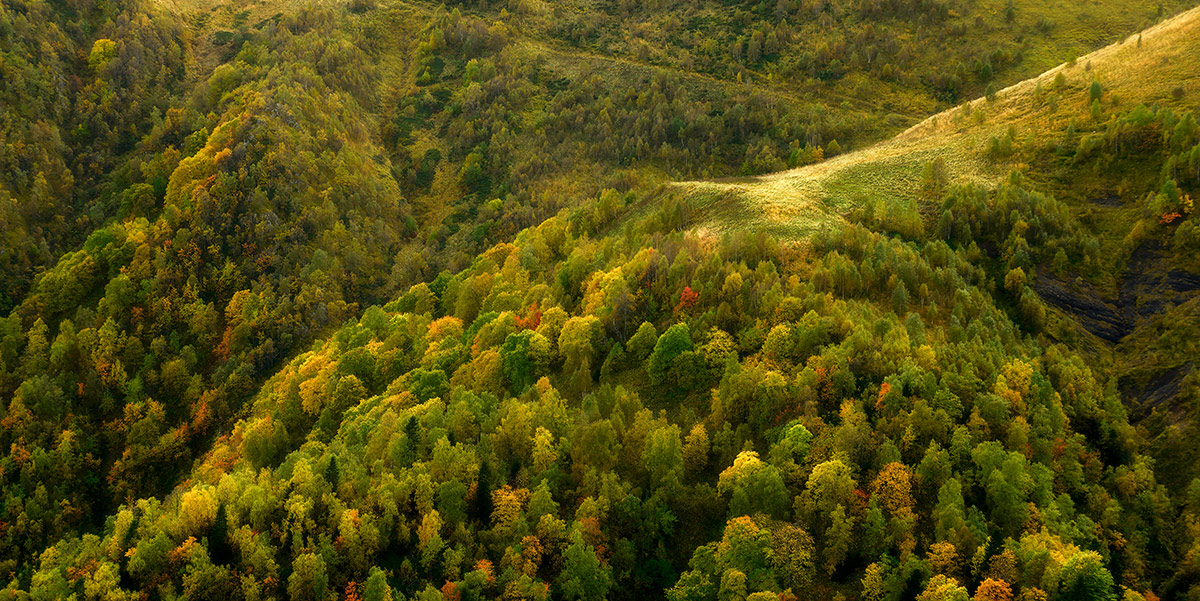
point(1147, 68)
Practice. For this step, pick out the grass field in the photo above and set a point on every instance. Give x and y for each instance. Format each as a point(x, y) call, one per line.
point(1159, 66)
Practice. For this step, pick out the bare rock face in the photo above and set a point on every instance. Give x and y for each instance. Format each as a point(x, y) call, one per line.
point(1143, 399)
point(1148, 287)
point(1083, 301)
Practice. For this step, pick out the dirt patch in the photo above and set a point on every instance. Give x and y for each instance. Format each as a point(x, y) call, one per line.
point(1107, 199)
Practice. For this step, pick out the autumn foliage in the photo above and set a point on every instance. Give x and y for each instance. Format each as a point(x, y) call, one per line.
point(687, 299)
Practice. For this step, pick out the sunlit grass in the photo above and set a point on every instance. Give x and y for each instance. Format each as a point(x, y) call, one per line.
point(801, 201)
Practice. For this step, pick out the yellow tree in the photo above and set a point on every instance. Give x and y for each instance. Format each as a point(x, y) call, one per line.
point(695, 449)
point(993, 590)
point(794, 556)
point(544, 451)
point(943, 588)
point(893, 488)
point(507, 505)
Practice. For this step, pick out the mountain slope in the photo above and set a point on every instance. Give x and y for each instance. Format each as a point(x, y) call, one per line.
point(571, 394)
point(1111, 136)
point(1147, 68)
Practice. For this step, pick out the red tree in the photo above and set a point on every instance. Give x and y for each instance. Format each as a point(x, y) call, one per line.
point(687, 299)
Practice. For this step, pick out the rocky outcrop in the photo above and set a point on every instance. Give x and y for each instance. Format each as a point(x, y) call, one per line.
point(1143, 399)
point(1085, 303)
point(1148, 285)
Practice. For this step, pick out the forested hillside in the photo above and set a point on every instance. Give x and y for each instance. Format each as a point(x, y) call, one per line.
point(82, 83)
point(389, 300)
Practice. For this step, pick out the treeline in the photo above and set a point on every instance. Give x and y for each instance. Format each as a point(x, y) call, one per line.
point(1151, 153)
point(555, 392)
point(1156, 138)
point(937, 50)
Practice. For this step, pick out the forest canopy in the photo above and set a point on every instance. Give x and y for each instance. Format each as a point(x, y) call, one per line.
point(386, 300)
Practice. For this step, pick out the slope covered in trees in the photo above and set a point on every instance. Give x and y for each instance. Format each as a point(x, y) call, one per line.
point(81, 84)
point(130, 351)
point(387, 301)
point(570, 417)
